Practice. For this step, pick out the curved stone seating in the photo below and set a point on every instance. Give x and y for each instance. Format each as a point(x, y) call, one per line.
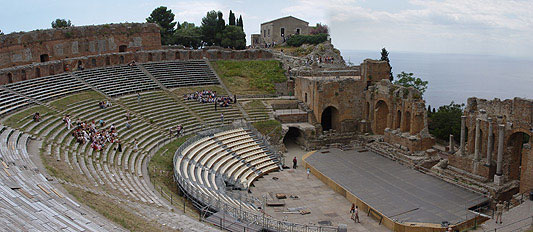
point(49, 87)
point(10, 102)
point(117, 80)
point(29, 202)
point(232, 155)
point(182, 73)
point(207, 112)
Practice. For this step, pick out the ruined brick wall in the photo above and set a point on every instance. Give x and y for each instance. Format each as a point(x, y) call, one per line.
point(517, 117)
point(30, 71)
point(399, 111)
point(373, 71)
point(62, 43)
point(342, 93)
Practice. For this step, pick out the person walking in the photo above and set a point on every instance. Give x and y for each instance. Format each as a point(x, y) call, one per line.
point(499, 212)
point(352, 212)
point(308, 173)
point(119, 146)
point(294, 163)
point(356, 215)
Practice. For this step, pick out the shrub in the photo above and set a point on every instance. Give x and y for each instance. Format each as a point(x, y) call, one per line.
point(298, 40)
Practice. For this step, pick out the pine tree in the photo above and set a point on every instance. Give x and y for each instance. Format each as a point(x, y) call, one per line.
point(231, 18)
point(178, 26)
point(384, 55)
point(165, 19)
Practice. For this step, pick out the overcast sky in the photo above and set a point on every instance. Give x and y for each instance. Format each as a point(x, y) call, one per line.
point(435, 26)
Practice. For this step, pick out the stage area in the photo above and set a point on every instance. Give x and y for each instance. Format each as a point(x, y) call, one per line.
point(394, 190)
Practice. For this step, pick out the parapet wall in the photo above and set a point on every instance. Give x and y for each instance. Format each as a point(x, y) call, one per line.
point(24, 72)
point(57, 44)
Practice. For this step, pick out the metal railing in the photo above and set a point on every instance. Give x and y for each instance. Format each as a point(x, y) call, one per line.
point(210, 201)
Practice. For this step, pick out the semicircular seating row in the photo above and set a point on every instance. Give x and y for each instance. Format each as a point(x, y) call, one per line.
point(28, 202)
point(232, 156)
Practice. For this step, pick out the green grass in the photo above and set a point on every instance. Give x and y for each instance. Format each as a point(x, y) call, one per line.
point(271, 128)
point(18, 119)
point(63, 103)
point(250, 76)
point(161, 171)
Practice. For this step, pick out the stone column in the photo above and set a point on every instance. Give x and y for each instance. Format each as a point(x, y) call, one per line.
point(490, 146)
point(477, 141)
point(462, 144)
point(452, 145)
point(499, 163)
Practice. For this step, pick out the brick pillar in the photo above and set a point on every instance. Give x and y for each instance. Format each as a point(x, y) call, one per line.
point(477, 141)
point(490, 146)
point(499, 163)
point(462, 144)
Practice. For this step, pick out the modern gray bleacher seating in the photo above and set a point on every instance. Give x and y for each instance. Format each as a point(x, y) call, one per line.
point(182, 73)
point(49, 87)
point(118, 80)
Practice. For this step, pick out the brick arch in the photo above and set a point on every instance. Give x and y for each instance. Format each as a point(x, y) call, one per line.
point(381, 116)
point(514, 157)
point(330, 118)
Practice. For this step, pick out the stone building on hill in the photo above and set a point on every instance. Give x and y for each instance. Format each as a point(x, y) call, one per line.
point(278, 30)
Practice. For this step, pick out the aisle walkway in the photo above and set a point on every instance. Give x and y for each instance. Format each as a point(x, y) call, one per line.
point(519, 218)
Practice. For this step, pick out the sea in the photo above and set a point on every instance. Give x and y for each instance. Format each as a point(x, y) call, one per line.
point(456, 77)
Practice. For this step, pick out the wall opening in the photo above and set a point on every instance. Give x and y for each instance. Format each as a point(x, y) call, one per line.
point(407, 122)
point(122, 48)
point(515, 150)
point(367, 111)
point(297, 31)
point(9, 78)
point(45, 58)
point(330, 119)
point(381, 116)
point(398, 119)
point(305, 97)
point(282, 32)
point(150, 57)
point(107, 60)
point(177, 55)
point(121, 59)
point(23, 74)
point(294, 136)
point(93, 62)
point(163, 56)
point(37, 72)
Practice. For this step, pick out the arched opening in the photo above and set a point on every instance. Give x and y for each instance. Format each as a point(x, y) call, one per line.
point(37, 72)
point(163, 56)
point(177, 55)
point(150, 58)
point(398, 119)
point(330, 118)
point(515, 149)
point(293, 137)
point(23, 74)
point(407, 122)
point(121, 59)
point(44, 58)
point(9, 78)
point(107, 60)
point(381, 115)
point(122, 48)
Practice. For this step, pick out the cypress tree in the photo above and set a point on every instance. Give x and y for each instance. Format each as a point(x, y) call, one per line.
point(231, 18)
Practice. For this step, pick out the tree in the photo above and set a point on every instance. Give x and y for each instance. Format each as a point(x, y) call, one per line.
point(209, 27)
point(408, 80)
point(189, 35)
point(239, 22)
point(221, 25)
point(233, 37)
point(61, 23)
point(165, 19)
point(231, 20)
point(384, 55)
point(319, 29)
point(445, 121)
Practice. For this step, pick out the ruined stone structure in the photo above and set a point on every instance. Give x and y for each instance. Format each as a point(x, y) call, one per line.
point(364, 100)
point(495, 143)
point(278, 30)
point(62, 43)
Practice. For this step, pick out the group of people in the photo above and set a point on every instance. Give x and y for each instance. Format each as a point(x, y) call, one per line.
point(208, 96)
point(36, 117)
point(89, 133)
point(178, 130)
point(104, 104)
